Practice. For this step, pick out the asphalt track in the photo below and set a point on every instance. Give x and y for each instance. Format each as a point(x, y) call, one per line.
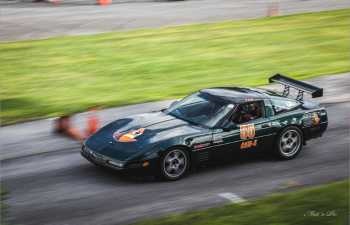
point(21, 19)
point(49, 183)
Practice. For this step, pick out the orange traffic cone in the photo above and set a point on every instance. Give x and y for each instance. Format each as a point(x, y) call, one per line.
point(93, 122)
point(104, 2)
point(63, 126)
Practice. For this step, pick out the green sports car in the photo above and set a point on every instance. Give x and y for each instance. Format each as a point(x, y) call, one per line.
point(208, 124)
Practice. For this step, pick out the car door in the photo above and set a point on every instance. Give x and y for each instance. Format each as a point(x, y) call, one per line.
point(244, 135)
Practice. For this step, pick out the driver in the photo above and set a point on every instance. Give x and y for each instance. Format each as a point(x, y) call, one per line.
point(248, 112)
point(255, 110)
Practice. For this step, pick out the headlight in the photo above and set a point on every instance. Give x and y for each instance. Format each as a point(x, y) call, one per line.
point(130, 136)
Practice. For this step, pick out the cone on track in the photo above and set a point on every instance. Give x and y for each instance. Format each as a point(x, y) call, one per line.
point(104, 2)
point(64, 126)
point(93, 122)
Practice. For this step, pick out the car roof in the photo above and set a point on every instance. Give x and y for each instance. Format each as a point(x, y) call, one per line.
point(236, 94)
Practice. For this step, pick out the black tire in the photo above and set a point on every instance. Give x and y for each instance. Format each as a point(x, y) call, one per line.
point(289, 143)
point(174, 164)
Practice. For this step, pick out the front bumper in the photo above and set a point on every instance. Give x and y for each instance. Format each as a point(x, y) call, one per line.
point(102, 160)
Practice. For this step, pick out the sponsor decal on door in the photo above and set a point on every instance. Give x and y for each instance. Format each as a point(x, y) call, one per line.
point(247, 131)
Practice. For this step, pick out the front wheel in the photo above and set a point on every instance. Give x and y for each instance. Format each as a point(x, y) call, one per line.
point(289, 143)
point(174, 164)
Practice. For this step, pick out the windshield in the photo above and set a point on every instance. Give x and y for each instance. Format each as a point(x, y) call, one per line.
point(201, 108)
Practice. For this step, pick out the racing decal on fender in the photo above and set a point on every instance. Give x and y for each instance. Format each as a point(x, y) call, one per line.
point(129, 136)
point(247, 131)
point(249, 144)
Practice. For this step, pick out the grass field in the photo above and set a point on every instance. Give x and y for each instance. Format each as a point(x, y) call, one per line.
point(323, 205)
point(69, 74)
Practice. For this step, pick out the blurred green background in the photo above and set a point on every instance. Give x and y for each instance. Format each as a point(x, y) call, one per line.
point(61, 75)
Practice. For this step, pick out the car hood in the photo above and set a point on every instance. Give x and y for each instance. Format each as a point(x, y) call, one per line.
point(158, 127)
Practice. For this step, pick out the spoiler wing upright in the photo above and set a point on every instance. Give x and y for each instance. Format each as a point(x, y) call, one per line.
point(298, 85)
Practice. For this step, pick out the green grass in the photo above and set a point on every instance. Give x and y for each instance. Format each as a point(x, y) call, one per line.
point(69, 74)
point(303, 207)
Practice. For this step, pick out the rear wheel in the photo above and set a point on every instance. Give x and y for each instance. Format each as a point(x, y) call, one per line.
point(289, 143)
point(174, 164)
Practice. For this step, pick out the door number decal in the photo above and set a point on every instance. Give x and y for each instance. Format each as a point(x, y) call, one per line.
point(249, 144)
point(247, 131)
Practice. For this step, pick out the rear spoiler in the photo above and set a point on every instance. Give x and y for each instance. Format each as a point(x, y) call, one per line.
point(298, 85)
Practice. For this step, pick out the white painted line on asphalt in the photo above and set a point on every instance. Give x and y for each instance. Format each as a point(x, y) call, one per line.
point(232, 197)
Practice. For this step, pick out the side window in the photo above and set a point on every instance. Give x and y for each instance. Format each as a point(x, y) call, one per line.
point(283, 104)
point(248, 111)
